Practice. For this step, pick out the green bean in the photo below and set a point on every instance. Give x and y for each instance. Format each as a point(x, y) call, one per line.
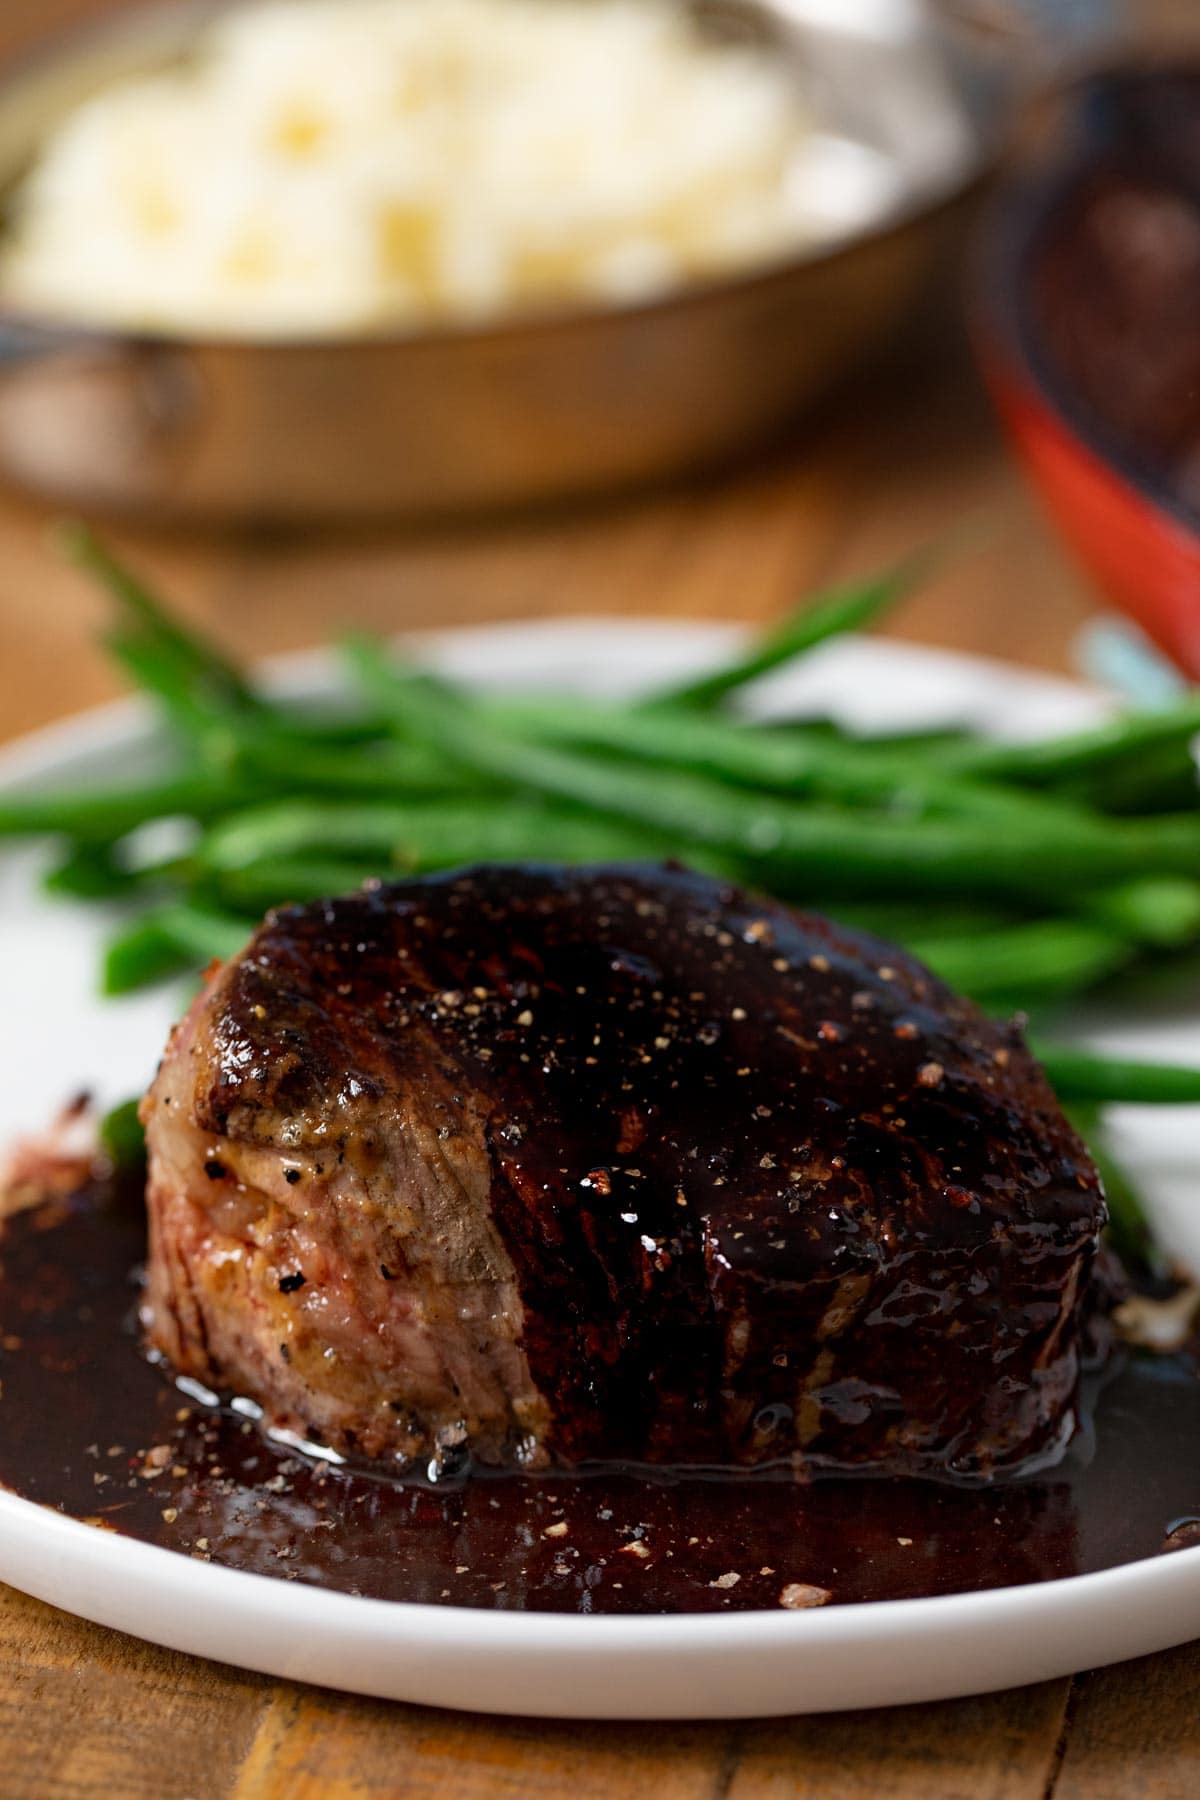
point(99, 814)
point(327, 723)
point(288, 880)
point(114, 872)
point(288, 828)
point(920, 741)
point(1169, 843)
point(1160, 778)
point(1079, 1075)
point(855, 852)
point(185, 706)
point(923, 743)
point(1129, 1230)
point(1161, 911)
point(156, 625)
point(1041, 957)
point(88, 872)
point(202, 689)
point(776, 760)
point(390, 768)
point(167, 940)
point(203, 931)
point(900, 922)
point(138, 955)
point(1034, 1011)
point(267, 747)
point(850, 608)
point(122, 1139)
point(1081, 753)
point(422, 836)
point(382, 680)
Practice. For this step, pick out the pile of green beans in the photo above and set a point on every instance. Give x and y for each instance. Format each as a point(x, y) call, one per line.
point(1025, 874)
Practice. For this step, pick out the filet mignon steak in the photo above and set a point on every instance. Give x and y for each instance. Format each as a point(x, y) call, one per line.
point(538, 1164)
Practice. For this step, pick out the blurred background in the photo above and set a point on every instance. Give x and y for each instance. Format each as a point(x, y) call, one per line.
point(646, 313)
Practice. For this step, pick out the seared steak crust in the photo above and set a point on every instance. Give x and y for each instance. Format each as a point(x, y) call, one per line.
point(615, 1163)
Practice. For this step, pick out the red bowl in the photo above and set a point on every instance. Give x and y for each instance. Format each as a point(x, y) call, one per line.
point(1111, 496)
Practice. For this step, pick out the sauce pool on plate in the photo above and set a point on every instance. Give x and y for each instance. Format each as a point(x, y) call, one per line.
point(92, 1429)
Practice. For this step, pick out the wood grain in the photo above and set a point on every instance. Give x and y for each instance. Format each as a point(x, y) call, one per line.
point(1134, 1731)
point(84, 1712)
point(315, 1746)
point(996, 1747)
point(906, 453)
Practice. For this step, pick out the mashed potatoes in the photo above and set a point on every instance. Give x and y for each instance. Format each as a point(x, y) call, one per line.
point(334, 166)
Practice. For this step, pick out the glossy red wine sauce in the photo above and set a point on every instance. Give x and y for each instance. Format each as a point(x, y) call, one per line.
point(91, 1428)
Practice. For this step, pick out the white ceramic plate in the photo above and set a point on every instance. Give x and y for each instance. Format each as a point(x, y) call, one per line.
point(59, 1038)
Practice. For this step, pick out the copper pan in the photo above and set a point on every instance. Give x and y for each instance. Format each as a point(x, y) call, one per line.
point(525, 410)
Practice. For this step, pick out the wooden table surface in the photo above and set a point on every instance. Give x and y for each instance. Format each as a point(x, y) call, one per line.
point(86, 1714)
